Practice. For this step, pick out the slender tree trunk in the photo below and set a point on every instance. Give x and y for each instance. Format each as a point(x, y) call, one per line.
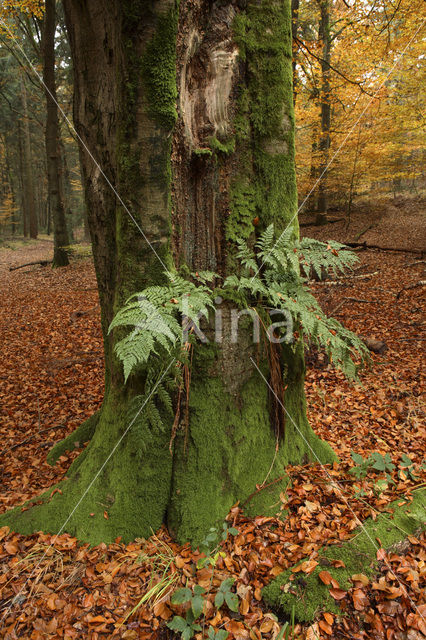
point(22, 180)
point(324, 142)
point(313, 172)
point(226, 134)
point(295, 46)
point(28, 168)
point(13, 222)
point(49, 217)
point(353, 180)
point(57, 208)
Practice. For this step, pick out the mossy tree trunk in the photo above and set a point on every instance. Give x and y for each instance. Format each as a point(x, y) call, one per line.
point(188, 111)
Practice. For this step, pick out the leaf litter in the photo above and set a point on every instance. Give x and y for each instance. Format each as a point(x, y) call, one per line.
point(52, 587)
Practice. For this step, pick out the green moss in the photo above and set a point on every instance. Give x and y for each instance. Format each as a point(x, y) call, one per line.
point(263, 34)
point(202, 152)
point(222, 147)
point(239, 224)
point(159, 70)
point(107, 477)
point(309, 596)
point(228, 451)
point(82, 434)
point(230, 448)
point(300, 441)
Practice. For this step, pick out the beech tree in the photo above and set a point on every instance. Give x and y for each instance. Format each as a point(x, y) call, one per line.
point(185, 117)
point(52, 136)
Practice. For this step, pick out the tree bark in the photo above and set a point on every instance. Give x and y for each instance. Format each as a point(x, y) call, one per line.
point(203, 94)
point(324, 142)
point(29, 198)
point(23, 192)
point(57, 208)
point(295, 46)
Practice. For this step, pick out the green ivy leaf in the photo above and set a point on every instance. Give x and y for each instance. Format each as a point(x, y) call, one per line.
point(231, 600)
point(197, 604)
point(357, 458)
point(187, 633)
point(199, 590)
point(182, 595)
point(219, 599)
point(177, 624)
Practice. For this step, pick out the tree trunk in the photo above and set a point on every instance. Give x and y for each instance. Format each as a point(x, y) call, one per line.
point(60, 233)
point(22, 180)
point(230, 148)
point(324, 142)
point(295, 46)
point(9, 175)
point(28, 169)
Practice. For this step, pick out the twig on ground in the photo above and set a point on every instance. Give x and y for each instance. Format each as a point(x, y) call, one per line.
point(349, 299)
point(19, 444)
point(420, 283)
point(43, 263)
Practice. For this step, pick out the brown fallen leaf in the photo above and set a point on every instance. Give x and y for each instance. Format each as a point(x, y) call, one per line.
point(325, 577)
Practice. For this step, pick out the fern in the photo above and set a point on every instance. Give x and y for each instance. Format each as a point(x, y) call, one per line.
point(269, 277)
point(155, 315)
point(278, 283)
point(148, 413)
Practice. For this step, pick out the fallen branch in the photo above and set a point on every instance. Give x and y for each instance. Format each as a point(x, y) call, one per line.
point(415, 263)
point(348, 299)
point(312, 224)
point(34, 435)
point(420, 283)
point(351, 277)
point(43, 263)
point(361, 233)
point(364, 245)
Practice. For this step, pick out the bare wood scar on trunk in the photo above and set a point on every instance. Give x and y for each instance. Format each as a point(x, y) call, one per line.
point(206, 81)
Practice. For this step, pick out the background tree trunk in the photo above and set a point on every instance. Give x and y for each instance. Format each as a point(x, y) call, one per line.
point(232, 160)
point(60, 233)
point(29, 198)
point(324, 141)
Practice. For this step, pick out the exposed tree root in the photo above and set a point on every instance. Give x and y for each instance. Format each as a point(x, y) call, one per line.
point(307, 595)
point(83, 433)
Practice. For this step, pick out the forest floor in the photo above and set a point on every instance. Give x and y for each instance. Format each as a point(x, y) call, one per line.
point(51, 379)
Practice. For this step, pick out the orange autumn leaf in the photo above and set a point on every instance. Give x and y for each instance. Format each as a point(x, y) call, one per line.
point(325, 577)
point(237, 629)
point(96, 619)
point(360, 577)
point(325, 627)
point(329, 618)
point(359, 599)
point(338, 563)
point(337, 594)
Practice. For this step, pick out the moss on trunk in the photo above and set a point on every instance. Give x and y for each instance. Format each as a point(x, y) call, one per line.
point(230, 446)
point(79, 436)
point(109, 490)
point(233, 440)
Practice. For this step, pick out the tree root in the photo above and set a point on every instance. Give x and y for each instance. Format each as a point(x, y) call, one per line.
point(306, 595)
point(83, 433)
